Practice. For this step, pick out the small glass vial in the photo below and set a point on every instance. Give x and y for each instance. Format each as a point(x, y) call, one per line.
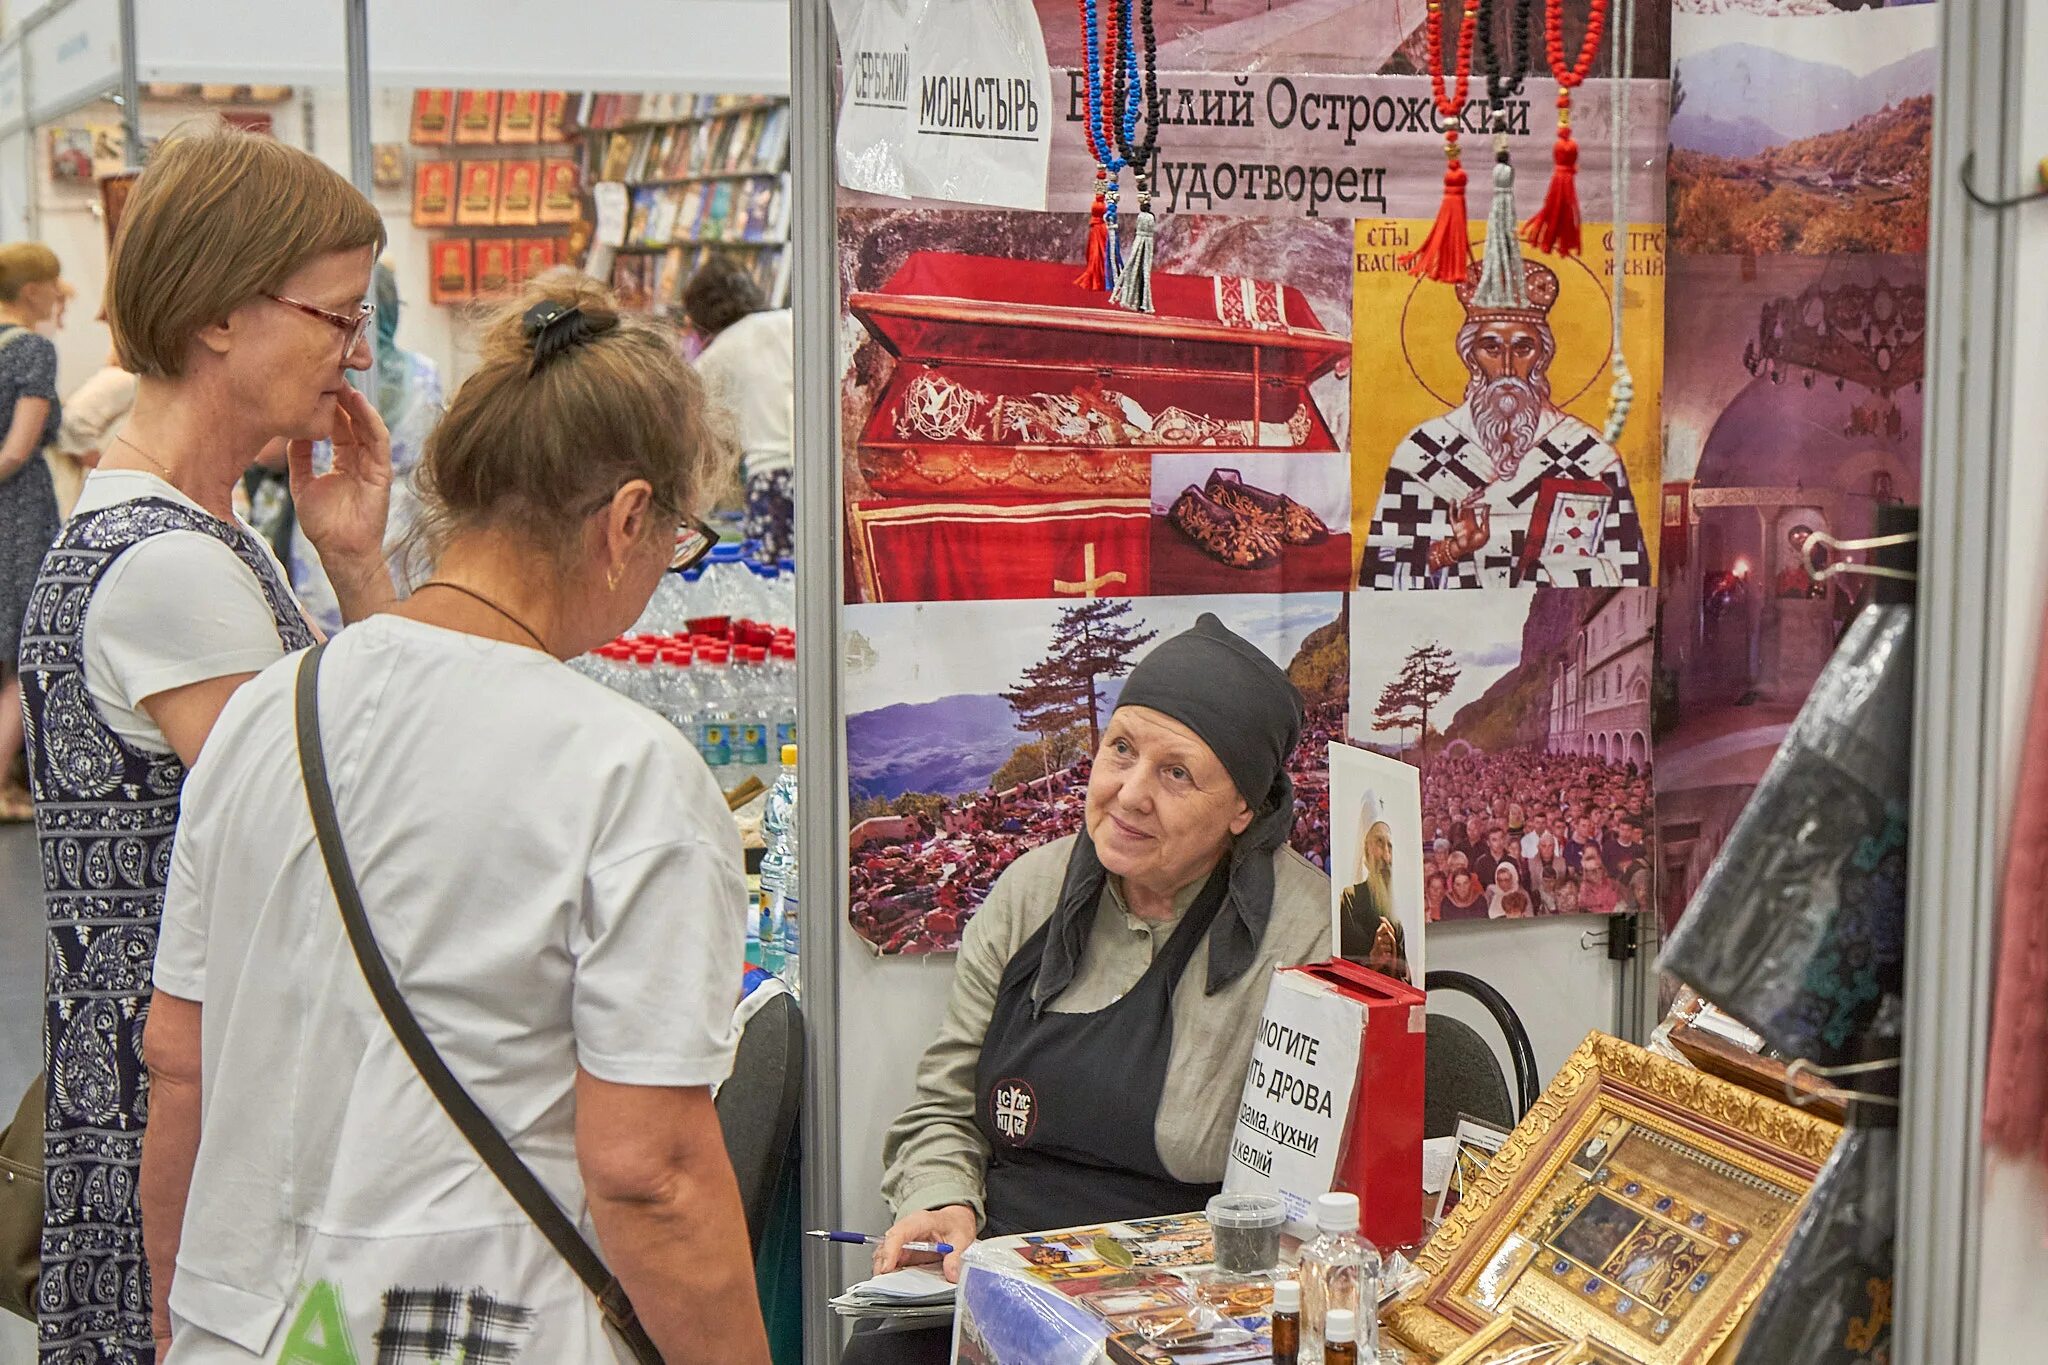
point(1340, 1337)
point(1287, 1323)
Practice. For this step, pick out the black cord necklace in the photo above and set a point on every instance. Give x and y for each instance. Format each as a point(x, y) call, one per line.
point(1134, 283)
point(1502, 86)
point(1137, 151)
point(531, 634)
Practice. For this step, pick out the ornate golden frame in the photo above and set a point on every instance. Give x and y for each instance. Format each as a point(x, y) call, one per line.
point(1762, 1137)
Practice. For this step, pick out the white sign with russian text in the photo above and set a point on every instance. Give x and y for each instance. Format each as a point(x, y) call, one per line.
point(1298, 1091)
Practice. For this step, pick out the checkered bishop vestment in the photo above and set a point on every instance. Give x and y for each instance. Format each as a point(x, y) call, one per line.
point(1442, 464)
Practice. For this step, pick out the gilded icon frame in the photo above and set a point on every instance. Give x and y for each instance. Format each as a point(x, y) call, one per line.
point(1629, 1170)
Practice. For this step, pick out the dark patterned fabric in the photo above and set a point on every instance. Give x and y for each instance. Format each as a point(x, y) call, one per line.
point(28, 499)
point(106, 812)
point(432, 1326)
point(771, 515)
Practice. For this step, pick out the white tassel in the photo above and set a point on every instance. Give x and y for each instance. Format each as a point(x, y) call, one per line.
point(1134, 285)
point(1502, 281)
point(1621, 396)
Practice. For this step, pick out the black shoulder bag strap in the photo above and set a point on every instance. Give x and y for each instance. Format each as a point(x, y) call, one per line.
point(517, 1178)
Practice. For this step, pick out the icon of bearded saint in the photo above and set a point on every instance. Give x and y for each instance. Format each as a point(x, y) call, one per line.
point(1468, 489)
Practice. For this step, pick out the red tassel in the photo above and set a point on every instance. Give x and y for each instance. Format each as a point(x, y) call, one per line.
point(1555, 228)
point(1446, 253)
point(1095, 274)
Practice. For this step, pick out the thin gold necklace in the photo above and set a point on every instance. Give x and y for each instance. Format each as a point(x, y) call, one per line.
point(168, 478)
point(531, 634)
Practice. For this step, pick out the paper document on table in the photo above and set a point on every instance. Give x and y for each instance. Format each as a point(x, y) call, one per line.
point(911, 1291)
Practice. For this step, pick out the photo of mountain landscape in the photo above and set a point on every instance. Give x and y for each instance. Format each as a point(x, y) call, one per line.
point(970, 728)
point(1802, 135)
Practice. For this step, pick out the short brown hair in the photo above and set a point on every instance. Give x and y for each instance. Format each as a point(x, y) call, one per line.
point(531, 452)
point(219, 217)
point(720, 294)
point(23, 264)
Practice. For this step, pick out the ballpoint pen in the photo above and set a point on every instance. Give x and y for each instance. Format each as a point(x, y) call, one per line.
point(868, 1239)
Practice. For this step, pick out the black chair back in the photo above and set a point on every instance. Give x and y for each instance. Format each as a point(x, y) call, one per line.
point(759, 1104)
point(1462, 1076)
point(1520, 1052)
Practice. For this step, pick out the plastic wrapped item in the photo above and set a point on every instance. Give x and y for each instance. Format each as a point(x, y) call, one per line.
point(1830, 1301)
point(1798, 929)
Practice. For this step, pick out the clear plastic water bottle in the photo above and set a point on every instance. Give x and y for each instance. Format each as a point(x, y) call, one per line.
point(754, 713)
point(785, 592)
point(679, 700)
point(778, 834)
point(792, 928)
point(782, 688)
point(727, 586)
point(1339, 1269)
point(642, 683)
point(715, 711)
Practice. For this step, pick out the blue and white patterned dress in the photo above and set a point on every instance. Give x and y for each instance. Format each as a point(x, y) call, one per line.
point(106, 813)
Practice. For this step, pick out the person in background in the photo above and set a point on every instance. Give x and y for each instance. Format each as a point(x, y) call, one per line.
point(1108, 992)
point(91, 413)
point(409, 399)
point(31, 291)
point(553, 876)
point(748, 364)
point(235, 297)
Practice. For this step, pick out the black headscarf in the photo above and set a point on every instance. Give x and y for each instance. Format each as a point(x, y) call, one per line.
point(1243, 706)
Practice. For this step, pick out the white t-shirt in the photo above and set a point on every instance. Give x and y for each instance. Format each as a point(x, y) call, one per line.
point(750, 369)
point(177, 609)
point(555, 880)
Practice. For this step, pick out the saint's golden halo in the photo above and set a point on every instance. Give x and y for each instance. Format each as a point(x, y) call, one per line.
point(1431, 316)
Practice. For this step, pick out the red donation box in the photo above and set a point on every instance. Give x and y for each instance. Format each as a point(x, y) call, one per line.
point(1333, 1099)
point(1010, 453)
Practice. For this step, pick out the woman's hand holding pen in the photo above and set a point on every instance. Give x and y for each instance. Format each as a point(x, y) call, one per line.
point(955, 1225)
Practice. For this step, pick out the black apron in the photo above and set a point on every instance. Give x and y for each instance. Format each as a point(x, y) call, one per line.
point(1068, 1103)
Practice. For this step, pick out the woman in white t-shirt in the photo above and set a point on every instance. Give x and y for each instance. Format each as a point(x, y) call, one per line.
point(234, 295)
point(553, 876)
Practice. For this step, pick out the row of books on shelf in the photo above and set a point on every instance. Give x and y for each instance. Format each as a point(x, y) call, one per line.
point(755, 210)
point(496, 193)
point(465, 270)
point(654, 283)
point(618, 110)
point(756, 140)
point(491, 117)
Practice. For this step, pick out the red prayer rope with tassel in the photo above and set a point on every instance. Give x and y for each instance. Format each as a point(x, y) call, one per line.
point(1447, 252)
point(1555, 228)
point(1095, 259)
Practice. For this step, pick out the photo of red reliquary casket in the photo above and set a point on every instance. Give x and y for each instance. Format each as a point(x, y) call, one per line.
point(1010, 453)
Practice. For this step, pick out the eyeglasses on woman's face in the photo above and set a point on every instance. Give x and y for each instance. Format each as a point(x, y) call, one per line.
point(352, 326)
point(695, 539)
point(694, 543)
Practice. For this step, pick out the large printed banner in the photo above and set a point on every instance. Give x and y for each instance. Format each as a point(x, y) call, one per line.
point(1800, 143)
point(1039, 484)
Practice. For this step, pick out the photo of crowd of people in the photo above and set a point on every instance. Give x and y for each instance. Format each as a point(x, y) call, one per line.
point(938, 813)
point(1524, 833)
point(1530, 727)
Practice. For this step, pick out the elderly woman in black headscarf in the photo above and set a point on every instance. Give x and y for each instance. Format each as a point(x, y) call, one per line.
point(1106, 995)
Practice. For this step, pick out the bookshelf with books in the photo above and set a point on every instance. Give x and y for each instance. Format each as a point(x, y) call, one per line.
point(703, 174)
point(500, 166)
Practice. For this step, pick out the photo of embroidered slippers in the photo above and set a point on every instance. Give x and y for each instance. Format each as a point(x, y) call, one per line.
point(1218, 531)
point(1276, 512)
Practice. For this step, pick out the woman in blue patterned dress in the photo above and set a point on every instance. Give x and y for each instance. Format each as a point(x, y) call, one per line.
point(235, 295)
point(30, 293)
